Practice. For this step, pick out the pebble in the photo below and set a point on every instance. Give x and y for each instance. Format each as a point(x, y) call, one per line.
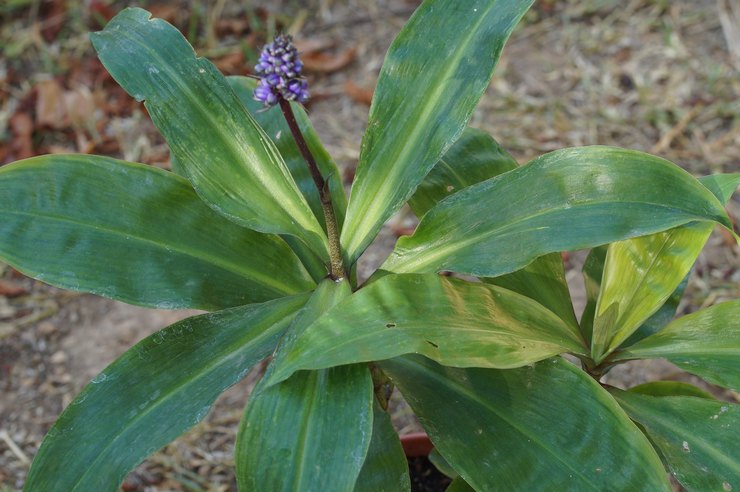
point(47, 328)
point(59, 357)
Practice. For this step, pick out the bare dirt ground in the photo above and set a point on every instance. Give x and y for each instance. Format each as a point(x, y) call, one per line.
point(651, 75)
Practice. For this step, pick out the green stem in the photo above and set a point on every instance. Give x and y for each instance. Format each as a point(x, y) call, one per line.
point(332, 230)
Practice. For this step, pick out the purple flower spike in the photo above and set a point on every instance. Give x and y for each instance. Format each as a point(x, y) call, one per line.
point(280, 72)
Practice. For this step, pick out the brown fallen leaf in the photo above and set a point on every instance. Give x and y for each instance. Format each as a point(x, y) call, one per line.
point(50, 107)
point(53, 13)
point(10, 289)
point(311, 45)
point(79, 105)
point(326, 63)
point(168, 12)
point(21, 126)
point(231, 63)
point(362, 95)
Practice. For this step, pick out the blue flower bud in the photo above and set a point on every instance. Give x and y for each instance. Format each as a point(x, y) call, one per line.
point(280, 72)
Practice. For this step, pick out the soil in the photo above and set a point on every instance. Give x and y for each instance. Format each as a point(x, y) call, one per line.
point(425, 477)
point(654, 76)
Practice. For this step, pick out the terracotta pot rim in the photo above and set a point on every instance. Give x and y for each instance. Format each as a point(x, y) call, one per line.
point(416, 444)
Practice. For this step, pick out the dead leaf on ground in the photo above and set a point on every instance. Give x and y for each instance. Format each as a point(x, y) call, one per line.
point(326, 63)
point(79, 105)
point(10, 289)
point(54, 14)
point(21, 126)
point(234, 27)
point(168, 12)
point(362, 95)
point(50, 107)
point(231, 63)
point(311, 45)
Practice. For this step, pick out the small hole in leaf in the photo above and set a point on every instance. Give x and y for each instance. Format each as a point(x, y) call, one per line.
point(390, 325)
point(432, 344)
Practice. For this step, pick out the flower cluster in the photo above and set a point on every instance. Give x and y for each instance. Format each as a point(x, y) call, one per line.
point(280, 72)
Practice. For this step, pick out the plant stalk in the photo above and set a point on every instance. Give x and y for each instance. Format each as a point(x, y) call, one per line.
point(332, 230)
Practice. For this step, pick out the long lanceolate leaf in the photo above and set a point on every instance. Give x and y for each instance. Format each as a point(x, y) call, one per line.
point(154, 392)
point(488, 424)
point(567, 199)
point(385, 468)
point(705, 343)
point(639, 276)
point(642, 273)
point(230, 160)
point(274, 124)
point(473, 158)
point(697, 437)
point(137, 234)
point(416, 116)
point(312, 431)
point(452, 321)
point(476, 157)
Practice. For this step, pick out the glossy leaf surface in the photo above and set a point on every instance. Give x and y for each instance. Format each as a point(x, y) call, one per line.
point(593, 269)
point(310, 432)
point(544, 281)
point(705, 343)
point(459, 485)
point(137, 234)
point(473, 158)
point(313, 430)
point(431, 80)
point(669, 388)
point(641, 275)
point(489, 424)
point(476, 157)
point(697, 437)
point(273, 122)
point(565, 200)
point(661, 317)
point(385, 468)
point(157, 390)
point(232, 163)
point(452, 321)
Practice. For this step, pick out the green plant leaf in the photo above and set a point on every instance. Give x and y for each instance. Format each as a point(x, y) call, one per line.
point(661, 317)
point(641, 275)
point(452, 321)
point(157, 390)
point(696, 437)
point(441, 464)
point(722, 186)
point(592, 270)
point(232, 163)
point(705, 343)
point(313, 430)
point(565, 200)
point(544, 281)
point(542, 427)
point(274, 124)
point(473, 158)
point(669, 388)
point(385, 468)
point(415, 116)
point(459, 485)
point(136, 234)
